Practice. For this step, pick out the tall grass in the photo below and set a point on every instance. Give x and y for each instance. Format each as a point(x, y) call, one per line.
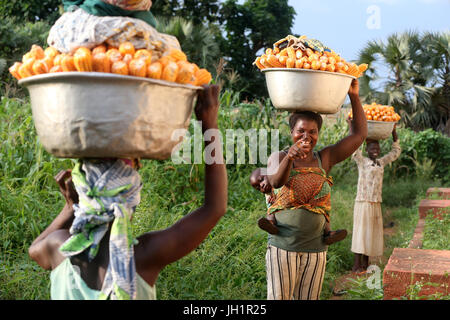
point(229, 264)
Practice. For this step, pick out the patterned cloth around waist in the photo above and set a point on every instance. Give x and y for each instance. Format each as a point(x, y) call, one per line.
point(307, 188)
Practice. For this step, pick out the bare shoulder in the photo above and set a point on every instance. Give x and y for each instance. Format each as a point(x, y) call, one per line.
point(325, 158)
point(278, 155)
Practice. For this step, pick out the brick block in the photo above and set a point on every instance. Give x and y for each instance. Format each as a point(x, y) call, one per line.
point(416, 241)
point(435, 206)
point(441, 192)
point(406, 266)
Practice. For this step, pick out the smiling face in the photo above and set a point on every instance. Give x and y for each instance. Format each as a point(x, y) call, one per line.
point(306, 133)
point(373, 149)
point(260, 182)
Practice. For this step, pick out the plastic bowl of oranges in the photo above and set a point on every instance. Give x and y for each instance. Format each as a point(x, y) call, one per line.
point(380, 120)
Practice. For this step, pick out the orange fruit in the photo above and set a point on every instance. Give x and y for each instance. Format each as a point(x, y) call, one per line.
point(127, 48)
point(315, 65)
point(114, 55)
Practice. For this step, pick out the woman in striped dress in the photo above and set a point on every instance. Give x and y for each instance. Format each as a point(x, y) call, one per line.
point(296, 256)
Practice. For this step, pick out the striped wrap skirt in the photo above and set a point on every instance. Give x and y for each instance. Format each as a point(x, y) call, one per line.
point(294, 275)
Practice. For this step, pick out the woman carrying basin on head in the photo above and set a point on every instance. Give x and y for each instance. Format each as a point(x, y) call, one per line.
point(296, 256)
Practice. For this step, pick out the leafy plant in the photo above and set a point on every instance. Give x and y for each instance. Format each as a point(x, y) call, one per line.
point(436, 231)
point(16, 39)
point(413, 292)
point(359, 290)
point(196, 40)
point(417, 81)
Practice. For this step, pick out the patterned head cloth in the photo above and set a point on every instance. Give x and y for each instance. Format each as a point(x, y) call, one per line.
point(109, 191)
point(138, 5)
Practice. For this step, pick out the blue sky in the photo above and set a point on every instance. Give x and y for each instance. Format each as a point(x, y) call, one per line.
point(347, 25)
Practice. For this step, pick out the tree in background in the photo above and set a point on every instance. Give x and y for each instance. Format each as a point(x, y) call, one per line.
point(223, 36)
point(414, 77)
point(241, 30)
point(248, 28)
point(199, 12)
point(31, 10)
point(197, 41)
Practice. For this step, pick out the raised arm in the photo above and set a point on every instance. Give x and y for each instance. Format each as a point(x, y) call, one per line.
point(158, 249)
point(42, 250)
point(343, 149)
point(395, 151)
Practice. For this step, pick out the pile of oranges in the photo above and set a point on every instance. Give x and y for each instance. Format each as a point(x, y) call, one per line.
point(378, 112)
point(308, 59)
point(125, 60)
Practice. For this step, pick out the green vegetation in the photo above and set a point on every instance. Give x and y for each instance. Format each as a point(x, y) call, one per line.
point(229, 264)
point(417, 77)
point(225, 36)
point(436, 231)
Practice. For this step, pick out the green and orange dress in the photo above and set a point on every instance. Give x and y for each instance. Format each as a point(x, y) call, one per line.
point(302, 207)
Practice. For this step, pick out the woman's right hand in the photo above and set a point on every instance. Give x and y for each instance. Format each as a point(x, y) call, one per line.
point(295, 152)
point(207, 106)
point(64, 180)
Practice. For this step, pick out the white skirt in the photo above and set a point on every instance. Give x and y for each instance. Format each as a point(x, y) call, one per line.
point(367, 237)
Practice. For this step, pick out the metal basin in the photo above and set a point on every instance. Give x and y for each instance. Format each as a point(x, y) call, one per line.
point(90, 114)
point(379, 130)
point(307, 90)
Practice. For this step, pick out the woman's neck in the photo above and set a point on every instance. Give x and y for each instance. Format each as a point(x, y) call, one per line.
point(309, 161)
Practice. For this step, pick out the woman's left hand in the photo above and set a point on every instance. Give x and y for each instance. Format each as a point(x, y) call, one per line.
point(394, 133)
point(354, 88)
point(64, 180)
point(207, 107)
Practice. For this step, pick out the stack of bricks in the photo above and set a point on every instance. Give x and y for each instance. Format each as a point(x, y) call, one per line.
point(407, 266)
point(430, 268)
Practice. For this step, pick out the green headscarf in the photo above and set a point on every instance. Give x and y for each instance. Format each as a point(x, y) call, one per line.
point(100, 8)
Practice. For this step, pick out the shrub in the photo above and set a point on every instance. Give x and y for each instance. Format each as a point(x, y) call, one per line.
point(17, 39)
point(436, 231)
point(425, 154)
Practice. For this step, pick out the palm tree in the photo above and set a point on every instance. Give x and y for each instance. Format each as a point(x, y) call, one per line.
point(197, 41)
point(410, 72)
point(438, 44)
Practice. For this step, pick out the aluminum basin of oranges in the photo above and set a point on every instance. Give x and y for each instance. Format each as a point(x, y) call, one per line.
point(110, 102)
point(380, 120)
point(125, 60)
point(304, 75)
